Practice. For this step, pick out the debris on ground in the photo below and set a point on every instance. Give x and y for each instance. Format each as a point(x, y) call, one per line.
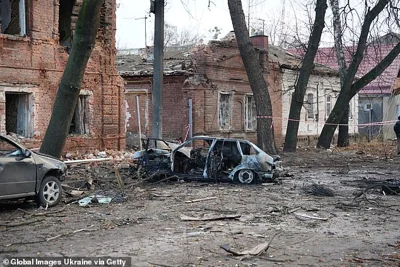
point(339, 230)
point(255, 251)
point(94, 199)
point(209, 217)
point(318, 190)
point(391, 187)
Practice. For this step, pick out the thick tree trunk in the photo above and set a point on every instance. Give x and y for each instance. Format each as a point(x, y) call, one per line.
point(343, 136)
point(265, 131)
point(346, 93)
point(305, 72)
point(69, 88)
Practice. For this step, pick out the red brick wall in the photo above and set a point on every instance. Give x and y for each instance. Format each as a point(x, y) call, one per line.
point(36, 63)
point(223, 70)
point(175, 111)
point(222, 65)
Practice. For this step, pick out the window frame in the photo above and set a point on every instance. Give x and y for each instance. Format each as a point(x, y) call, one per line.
point(225, 123)
point(250, 120)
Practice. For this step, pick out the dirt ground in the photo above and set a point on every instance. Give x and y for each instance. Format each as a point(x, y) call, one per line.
point(358, 226)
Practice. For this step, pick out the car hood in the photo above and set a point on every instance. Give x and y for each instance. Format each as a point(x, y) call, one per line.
point(49, 162)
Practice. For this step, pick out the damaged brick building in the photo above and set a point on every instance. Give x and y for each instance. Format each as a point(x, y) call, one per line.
point(35, 40)
point(206, 91)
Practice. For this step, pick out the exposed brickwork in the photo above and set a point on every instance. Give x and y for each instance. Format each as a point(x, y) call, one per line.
point(174, 106)
point(221, 64)
point(35, 63)
point(218, 67)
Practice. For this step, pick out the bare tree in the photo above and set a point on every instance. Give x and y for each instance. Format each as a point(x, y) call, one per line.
point(350, 88)
point(305, 72)
point(343, 138)
point(68, 91)
point(173, 36)
point(265, 133)
point(215, 32)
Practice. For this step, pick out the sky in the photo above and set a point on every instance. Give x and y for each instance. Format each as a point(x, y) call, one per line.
point(199, 18)
point(194, 15)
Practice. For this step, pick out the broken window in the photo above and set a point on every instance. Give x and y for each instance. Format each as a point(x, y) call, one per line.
point(64, 22)
point(80, 120)
point(18, 114)
point(250, 113)
point(247, 149)
point(310, 106)
point(328, 105)
point(225, 111)
point(13, 17)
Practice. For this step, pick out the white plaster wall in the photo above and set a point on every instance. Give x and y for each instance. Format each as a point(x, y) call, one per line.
point(320, 86)
point(391, 111)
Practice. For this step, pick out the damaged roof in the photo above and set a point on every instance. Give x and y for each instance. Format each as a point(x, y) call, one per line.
point(178, 60)
point(140, 62)
point(287, 60)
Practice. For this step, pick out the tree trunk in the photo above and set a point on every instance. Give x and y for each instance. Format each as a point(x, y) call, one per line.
point(305, 72)
point(343, 136)
point(265, 131)
point(68, 92)
point(346, 93)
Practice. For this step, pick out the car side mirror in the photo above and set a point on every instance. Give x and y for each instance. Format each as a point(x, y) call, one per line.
point(27, 153)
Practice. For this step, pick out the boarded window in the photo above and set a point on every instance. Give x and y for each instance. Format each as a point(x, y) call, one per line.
point(225, 111)
point(328, 105)
point(250, 113)
point(310, 106)
point(19, 114)
point(80, 120)
point(13, 17)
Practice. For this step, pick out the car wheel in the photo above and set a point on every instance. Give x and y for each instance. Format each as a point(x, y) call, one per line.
point(50, 191)
point(245, 177)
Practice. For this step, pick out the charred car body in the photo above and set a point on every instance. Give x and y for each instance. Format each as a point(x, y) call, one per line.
point(24, 173)
point(204, 157)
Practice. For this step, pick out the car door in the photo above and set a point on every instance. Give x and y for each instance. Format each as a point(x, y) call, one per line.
point(17, 172)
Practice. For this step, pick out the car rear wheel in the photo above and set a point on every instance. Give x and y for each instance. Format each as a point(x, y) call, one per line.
point(50, 191)
point(246, 177)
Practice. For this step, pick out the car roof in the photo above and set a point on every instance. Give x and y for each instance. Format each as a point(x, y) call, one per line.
point(205, 137)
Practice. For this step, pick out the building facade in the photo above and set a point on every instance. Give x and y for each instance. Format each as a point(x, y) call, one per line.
point(207, 92)
point(35, 41)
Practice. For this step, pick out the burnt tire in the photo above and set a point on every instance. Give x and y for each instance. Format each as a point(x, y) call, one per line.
point(50, 191)
point(245, 176)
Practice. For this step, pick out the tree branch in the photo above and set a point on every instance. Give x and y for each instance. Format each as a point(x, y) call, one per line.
point(376, 71)
point(357, 58)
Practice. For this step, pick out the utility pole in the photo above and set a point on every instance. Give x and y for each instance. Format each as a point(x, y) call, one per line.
point(157, 7)
point(145, 29)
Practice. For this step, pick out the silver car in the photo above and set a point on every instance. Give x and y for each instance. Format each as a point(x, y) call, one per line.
point(24, 173)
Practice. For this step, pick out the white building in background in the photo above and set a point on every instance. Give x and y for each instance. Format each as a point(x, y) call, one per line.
point(321, 95)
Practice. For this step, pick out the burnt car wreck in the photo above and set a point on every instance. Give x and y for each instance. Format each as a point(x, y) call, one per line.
point(209, 158)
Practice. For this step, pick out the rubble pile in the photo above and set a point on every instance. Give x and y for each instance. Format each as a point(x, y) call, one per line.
point(96, 154)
